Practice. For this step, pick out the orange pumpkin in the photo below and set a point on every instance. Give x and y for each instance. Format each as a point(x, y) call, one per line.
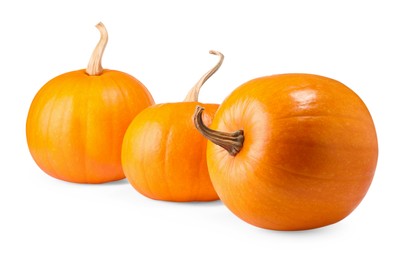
point(291, 151)
point(77, 120)
point(163, 155)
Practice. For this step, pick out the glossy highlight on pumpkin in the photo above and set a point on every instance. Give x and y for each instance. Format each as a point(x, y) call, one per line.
point(308, 155)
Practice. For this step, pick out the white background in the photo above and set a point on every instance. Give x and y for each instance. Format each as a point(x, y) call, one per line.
point(165, 45)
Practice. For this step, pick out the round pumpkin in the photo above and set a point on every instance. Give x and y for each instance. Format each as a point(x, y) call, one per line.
point(163, 156)
point(291, 151)
point(77, 120)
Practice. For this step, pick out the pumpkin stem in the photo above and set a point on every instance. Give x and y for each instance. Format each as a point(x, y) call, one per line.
point(194, 92)
point(95, 63)
point(231, 142)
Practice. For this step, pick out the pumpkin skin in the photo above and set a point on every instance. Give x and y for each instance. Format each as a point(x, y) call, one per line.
point(76, 123)
point(163, 155)
point(308, 157)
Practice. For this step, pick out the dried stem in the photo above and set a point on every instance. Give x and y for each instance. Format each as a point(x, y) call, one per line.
point(95, 63)
point(231, 142)
point(194, 92)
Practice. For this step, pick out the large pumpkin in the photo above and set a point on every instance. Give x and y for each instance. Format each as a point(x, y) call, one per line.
point(76, 122)
point(163, 155)
point(292, 152)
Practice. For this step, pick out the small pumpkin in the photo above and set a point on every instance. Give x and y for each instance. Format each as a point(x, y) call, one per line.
point(163, 155)
point(77, 120)
point(291, 151)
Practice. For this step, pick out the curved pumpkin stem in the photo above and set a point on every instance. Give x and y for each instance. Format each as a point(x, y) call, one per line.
point(95, 63)
point(231, 142)
point(193, 94)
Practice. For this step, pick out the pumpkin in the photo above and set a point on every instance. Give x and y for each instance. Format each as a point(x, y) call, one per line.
point(77, 120)
point(291, 151)
point(163, 156)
